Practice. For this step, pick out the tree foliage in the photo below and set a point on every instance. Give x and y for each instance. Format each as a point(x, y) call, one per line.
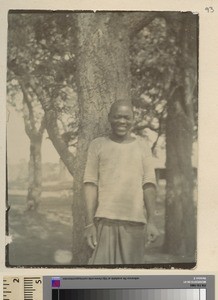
point(42, 50)
point(155, 73)
point(40, 56)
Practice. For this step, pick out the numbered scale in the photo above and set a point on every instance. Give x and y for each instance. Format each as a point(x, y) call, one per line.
point(22, 288)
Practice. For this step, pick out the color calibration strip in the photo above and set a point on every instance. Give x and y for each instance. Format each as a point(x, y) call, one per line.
point(158, 287)
point(129, 294)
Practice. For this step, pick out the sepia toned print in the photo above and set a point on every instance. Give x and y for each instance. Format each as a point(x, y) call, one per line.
point(65, 72)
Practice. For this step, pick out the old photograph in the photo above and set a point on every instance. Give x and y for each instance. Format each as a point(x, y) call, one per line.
point(102, 131)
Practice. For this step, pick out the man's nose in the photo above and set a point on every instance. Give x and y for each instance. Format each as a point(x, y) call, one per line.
point(122, 120)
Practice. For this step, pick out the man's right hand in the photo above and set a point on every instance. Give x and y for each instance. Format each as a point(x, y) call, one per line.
point(91, 236)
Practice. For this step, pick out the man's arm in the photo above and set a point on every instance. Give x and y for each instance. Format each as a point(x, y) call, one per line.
point(149, 191)
point(91, 202)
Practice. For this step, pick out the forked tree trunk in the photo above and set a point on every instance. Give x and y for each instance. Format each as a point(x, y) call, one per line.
point(180, 226)
point(103, 77)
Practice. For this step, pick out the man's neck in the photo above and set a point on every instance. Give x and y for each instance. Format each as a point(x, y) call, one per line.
point(122, 139)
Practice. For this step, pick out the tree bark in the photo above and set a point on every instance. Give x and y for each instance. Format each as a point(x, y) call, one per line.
point(35, 173)
point(103, 76)
point(180, 226)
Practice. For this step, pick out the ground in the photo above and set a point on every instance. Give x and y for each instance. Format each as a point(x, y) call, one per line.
point(44, 238)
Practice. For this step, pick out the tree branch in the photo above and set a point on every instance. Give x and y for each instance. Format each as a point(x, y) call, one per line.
point(141, 127)
point(26, 121)
point(42, 125)
point(52, 126)
point(32, 126)
point(159, 133)
point(135, 21)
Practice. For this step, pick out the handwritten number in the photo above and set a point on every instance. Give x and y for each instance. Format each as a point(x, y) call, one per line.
point(209, 9)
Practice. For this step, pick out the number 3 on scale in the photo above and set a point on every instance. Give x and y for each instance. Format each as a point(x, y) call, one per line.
point(209, 9)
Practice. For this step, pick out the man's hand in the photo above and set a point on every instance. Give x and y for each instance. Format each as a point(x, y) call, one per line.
point(91, 196)
point(152, 232)
point(91, 235)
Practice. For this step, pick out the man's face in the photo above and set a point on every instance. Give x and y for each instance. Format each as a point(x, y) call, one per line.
point(121, 120)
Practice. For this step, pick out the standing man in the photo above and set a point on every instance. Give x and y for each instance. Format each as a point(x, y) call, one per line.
point(120, 192)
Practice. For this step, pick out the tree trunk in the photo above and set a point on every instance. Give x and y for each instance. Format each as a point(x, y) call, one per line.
point(180, 225)
point(103, 76)
point(35, 173)
point(35, 136)
point(180, 216)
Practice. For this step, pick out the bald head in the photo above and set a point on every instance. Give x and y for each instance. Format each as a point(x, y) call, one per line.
point(120, 103)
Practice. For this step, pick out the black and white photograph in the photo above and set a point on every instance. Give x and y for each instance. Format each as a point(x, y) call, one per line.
point(102, 139)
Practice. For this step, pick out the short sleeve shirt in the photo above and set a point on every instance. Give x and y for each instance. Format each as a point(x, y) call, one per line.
point(120, 171)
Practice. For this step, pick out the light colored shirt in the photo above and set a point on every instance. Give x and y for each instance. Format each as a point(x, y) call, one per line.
point(120, 170)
